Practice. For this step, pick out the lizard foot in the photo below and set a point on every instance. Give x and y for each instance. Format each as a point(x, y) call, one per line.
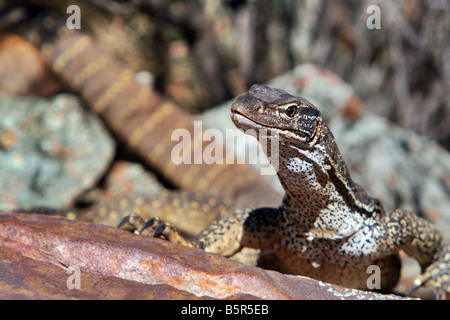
point(154, 227)
point(437, 275)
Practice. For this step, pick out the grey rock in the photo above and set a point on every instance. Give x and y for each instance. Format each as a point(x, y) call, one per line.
point(50, 151)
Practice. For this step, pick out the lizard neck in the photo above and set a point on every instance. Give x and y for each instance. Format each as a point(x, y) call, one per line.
point(303, 175)
point(313, 205)
point(320, 196)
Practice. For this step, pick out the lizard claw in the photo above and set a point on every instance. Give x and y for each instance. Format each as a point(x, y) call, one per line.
point(155, 228)
point(437, 275)
point(149, 224)
point(123, 222)
point(131, 223)
point(159, 231)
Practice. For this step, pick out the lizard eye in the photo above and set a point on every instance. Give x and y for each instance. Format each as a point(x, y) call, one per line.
point(291, 111)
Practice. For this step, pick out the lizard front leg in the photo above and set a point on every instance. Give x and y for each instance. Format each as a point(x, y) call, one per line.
point(437, 274)
point(255, 229)
point(154, 227)
point(250, 228)
point(421, 240)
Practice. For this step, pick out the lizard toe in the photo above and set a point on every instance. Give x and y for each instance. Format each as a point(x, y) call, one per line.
point(157, 228)
point(131, 222)
point(159, 231)
point(437, 275)
point(149, 227)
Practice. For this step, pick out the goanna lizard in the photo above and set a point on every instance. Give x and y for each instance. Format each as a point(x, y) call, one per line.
point(327, 226)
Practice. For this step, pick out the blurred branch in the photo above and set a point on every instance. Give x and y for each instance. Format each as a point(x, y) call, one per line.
point(197, 30)
point(401, 86)
point(322, 46)
point(402, 71)
point(252, 44)
point(186, 23)
point(112, 6)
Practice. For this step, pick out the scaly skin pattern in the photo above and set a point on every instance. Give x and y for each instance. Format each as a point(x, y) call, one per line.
point(327, 227)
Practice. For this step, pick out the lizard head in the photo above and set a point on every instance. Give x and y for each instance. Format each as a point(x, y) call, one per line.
point(310, 155)
point(262, 107)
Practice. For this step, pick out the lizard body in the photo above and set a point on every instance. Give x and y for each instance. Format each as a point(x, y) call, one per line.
point(327, 226)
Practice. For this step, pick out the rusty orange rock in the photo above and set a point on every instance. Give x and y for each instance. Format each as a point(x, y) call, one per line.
point(37, 250)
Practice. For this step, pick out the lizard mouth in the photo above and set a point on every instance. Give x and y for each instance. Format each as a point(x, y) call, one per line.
point(243, 123)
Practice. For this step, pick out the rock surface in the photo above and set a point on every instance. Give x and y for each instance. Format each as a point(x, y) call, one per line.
point(42, 256)
point(23, 71)
point(50, 151)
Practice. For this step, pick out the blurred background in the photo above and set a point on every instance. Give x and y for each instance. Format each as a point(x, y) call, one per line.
point(201, 53)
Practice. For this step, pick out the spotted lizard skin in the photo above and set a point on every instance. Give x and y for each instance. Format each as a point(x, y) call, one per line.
point(327, 226)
